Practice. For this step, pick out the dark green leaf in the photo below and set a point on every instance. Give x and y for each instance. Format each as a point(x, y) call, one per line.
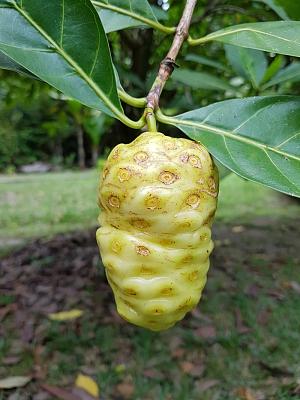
point(258, 138)
point(290, 73)
point(278, 37)
point(286, 9)
point(205, 61)
point(64, 44)
point(200, 80)
point(249, 63)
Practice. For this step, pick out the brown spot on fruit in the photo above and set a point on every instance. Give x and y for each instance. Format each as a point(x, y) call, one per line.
point(114, 201)
point(116, 247)
point(169, 144)
point(204, 237)
point(168, 291)
point(193, 276)
point(167, 242)
point(193, 200)
point(142, 250)
point(157, 311)
point(110, 267)
point(146, 271)
point(152, 202)
point(195, 161)
point(168, 177)
point(185, 306)
point(140, 157)
point(129, 292)
point(115, 154)
point(124, 174)
point(140, 223)
point(184, 225)
point(187, 259)
point(184, 158)
point(211, 183)
point(128, 304)
point(104, 173)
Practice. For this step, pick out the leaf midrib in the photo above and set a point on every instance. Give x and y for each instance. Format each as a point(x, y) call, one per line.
point(70, 61)
point(132, 14)
point(217, 35)
point(223, 132)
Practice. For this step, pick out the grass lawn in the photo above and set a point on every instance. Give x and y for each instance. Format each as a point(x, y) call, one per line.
point(46, 204)
point(240, 343)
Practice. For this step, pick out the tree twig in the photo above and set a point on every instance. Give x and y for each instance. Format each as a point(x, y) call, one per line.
point(169, 62)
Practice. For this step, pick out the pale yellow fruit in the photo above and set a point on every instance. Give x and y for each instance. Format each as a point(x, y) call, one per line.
point(158, 197)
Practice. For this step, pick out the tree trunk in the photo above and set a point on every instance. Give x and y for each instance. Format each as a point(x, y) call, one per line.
point(94, 154)
point(80, 148)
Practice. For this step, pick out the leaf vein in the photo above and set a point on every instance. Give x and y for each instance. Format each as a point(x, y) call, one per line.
point(287, 140)
point(279, 170)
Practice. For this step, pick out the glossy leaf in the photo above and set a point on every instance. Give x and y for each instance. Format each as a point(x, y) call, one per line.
point(121, 14)
point(200, 80)
point(138, 7)
point(290, 73)
point(113, 21)
point(258, 138)
point(286, 9)
point(205, 61)
point(277, 37)
point(40, 36)
point(248, 63)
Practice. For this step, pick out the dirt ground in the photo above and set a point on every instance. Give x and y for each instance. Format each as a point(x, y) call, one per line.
point(64, 273)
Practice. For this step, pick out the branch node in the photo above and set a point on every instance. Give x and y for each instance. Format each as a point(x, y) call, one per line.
point(168, 64)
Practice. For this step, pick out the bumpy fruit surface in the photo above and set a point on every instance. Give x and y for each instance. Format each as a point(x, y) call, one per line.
point(158, 196)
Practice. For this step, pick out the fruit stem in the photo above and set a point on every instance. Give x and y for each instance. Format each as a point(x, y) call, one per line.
point(169, 62)
point(139, 102)
point(151, 120)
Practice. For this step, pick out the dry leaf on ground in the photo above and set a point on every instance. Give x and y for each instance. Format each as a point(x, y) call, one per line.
point(88, 384)
point(12, 382)
point(65, 315)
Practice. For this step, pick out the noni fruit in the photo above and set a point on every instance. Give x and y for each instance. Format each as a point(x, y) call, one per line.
point(158, 196)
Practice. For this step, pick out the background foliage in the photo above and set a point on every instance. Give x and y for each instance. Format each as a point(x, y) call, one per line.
point(38, 123)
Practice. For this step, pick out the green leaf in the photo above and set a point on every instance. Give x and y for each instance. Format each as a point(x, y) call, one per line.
point(200, 80)
point(114, 21)
point(258, 138)
point(137, 13)
point(290, 73)
point(205, 61)
point(274, 67)
point(11, 65)
point(286, 9)
point(140, 8)
point(277, 37)
point(249, 63)
point(64, 44)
